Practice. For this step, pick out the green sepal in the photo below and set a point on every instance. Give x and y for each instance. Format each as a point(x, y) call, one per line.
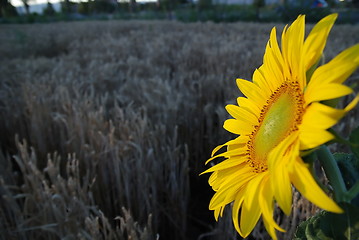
point(331, 226)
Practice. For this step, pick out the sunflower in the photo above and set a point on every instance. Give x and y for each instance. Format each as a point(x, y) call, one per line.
point(281, 116)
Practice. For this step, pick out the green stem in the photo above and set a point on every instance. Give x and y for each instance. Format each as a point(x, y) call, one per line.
point(333, 173)
point(353, 192)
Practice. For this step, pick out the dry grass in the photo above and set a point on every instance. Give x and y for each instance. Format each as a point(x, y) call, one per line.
point(106, 126)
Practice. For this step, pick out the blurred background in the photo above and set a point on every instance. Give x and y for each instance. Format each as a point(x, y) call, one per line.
point(20, 11)
point(110, 109)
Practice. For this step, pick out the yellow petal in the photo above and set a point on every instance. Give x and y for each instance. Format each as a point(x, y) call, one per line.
point(269, 81)
point(235, 209)
point(217, 212)
point(307, 186)
point(316, 93)
point(266, 203)
point(352, 104)
point(231, 186)
point(276, 51)
point(212, 179)
point(261, 81)
point(273, 63)
point(337, 70)
point(321, 116)
point(282, 188)
point(237, 126)
point(313, 137)
point(292, 48)
point(250, 211)
point(241, 113)
point(316, 40)
point(276, 156)
point(237, 141)
point(251, 91)
point(270, 229)
point(231, 162)
point(220, 177)
point(235, 153)
point(224, 196)
point(249, 105)
point(272, 71)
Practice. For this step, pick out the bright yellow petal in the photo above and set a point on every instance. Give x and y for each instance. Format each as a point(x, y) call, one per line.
point(268, 78)
point(216, 212)
point(281, 185)
point(251, 91)
point(335, 71)
point(237, 141)
point(237, 126)
point(242, 114)
point(313, 137)
point(316, 40)
point(321, 116)
point(231, 162)
point(276, 51)
point(272, 71)
point(266, 203)
point(249, 105)
point(250, 211)
point(270, 229)
point(212, 179)
point(273, 64)
point(303, 180)
point(235, 153)
point(352, 104)
point(218, 199)
point(292, 48)
point(316, 93)
point(224, 195)
point(218, 178)
point(235, 209)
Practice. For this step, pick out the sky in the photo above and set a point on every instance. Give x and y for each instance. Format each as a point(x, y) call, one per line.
point(17, 3)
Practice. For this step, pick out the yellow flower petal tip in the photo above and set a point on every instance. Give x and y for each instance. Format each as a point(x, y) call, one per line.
point(280, 116)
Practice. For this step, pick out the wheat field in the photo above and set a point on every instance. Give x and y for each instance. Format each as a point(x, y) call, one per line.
point(105, 126)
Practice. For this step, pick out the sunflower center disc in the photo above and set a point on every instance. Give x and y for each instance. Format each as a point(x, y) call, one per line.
point(279, 117)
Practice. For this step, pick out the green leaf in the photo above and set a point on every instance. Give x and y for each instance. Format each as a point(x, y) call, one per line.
point(331, 226)
point(354, 140)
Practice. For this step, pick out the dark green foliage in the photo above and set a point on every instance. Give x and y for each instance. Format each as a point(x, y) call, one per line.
point(49, 10)
point(204, 4)
point(101, 6)
point(7, 9)
point(290, 13)
point(349, 167)
point(331, 226)
point(354, 141)
point(218, 13)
